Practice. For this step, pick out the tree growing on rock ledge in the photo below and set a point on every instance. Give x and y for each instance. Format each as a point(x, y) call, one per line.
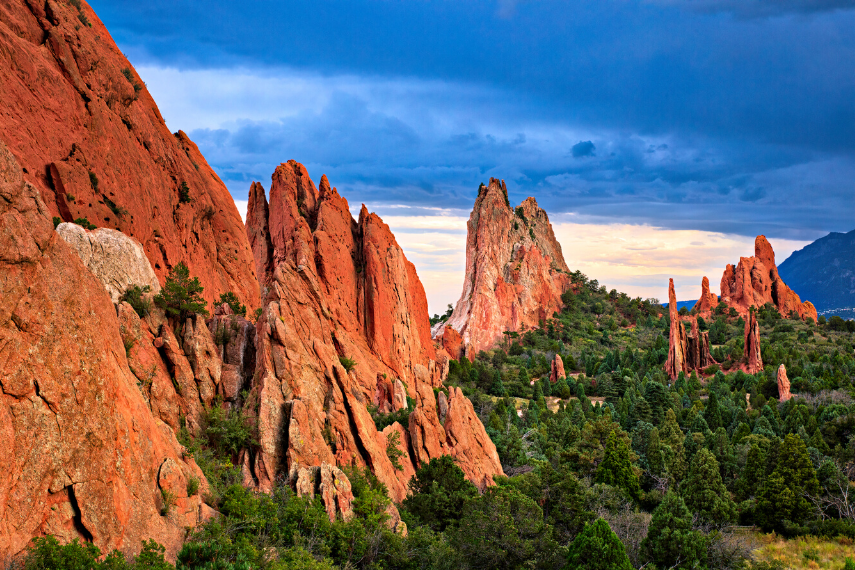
point(181, 296)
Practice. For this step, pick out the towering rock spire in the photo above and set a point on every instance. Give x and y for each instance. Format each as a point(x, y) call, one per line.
point(676, 362)
point(515, 272)
point(751, 352)
point(687, 351)
point(783, 384)
point(707, 301)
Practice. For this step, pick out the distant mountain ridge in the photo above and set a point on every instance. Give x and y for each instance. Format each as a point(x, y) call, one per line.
point(824, 273)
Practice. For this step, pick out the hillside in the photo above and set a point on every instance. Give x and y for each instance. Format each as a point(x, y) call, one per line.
point(824, 272)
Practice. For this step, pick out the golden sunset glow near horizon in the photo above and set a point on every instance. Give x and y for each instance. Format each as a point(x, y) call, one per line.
point(634, 259)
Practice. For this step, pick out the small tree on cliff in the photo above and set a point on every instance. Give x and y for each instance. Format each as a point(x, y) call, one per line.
point(181, 296)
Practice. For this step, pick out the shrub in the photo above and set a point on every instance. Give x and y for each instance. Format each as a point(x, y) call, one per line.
point(597, 547)
point(116, 209)
point(85, 223)
point(167, 502)
point(393, 450)
point(348, 363)
point(192, 486)
point(93, 181)
point(56, 221)
point(181, 296)
point(228, 430)
point(184, 194)
point(230, 299)
point(135, 297)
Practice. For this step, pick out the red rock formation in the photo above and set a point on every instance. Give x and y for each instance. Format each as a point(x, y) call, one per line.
point(707, 301)
point(676, 362)
point(515, 272)
point(451, 341)
point(91, 140)
point(687, 352)
point(753, 360)
point(783, 384)
point(82, 455)
point(755, 282)
point(556, 370)
point(345, 327)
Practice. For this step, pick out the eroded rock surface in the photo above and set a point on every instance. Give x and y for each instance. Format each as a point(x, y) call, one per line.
point(82, 457)
point(91, 139)
point(556, 370)
point(345, 327)
point(688, 351)
point(515, 272)
point(751, 351)
point(707, 301)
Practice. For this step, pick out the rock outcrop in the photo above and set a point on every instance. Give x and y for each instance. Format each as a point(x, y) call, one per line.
point(556, 369)
point(755, 282)
point(83, 457)
point(751, 351)
point(345, 328)
point(783, 384)
point(90, 139)
point(687, 351)
point(117, 260)
point(515, 272)
point(707, 301)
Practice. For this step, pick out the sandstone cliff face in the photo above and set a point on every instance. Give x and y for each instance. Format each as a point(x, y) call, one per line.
point(687, 351)
point(82, 455)
point(515, 272)
point(95, 146)
point(344, 327)
point(755, 282)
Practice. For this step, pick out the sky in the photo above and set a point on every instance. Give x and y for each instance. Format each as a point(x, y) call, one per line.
point(661, 136)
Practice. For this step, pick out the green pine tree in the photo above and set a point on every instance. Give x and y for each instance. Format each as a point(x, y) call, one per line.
point(181, 296)
point(597, 547)
point(705, 493)
point(616, 468)
point(670, 541)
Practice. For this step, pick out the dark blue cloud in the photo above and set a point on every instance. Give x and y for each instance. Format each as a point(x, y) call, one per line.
point(584, 148)
point(722, 114)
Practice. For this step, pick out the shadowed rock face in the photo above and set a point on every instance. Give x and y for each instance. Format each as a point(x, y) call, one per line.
point(344, 327)
point(755, 282)
point(83, 457)
point(96, 147)
point(515, 272)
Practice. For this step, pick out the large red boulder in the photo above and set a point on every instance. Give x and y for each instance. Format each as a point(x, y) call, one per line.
point(90, 139)
point(515, 271)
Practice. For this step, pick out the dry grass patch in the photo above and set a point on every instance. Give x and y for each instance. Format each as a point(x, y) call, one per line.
point(806, 552)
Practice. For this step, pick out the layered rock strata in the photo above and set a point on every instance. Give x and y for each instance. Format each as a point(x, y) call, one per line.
point(515, 272)
point(755, 281)
point(345, 329)
point(688, 351)
point(90, 139)
point(83, 457)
